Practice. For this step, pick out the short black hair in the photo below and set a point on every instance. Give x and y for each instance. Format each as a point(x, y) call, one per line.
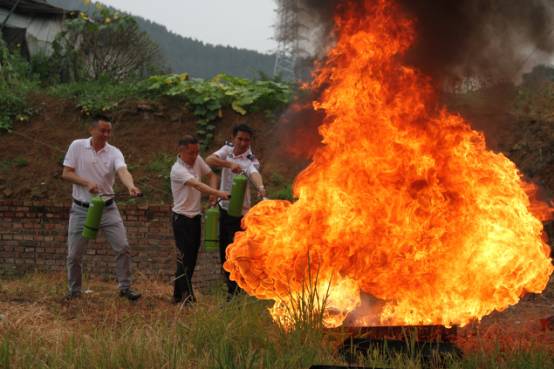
point(99, 117)
point(187, 140)
point(242, 127)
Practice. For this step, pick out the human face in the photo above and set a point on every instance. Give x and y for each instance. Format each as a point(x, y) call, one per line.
point(101, 133)
point(189, 153)
point(241, 142)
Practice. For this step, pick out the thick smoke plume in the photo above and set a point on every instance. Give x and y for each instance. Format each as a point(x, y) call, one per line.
point(484, 39)
point(458, 43)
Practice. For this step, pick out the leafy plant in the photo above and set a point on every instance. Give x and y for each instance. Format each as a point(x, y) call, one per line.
point(15, 83)
point(160, 166)
point(109, 45)
point(535, 95)
point(279, 188)
point(207, 99)
point(9, 164)
point(98, 96)
point(284, 193)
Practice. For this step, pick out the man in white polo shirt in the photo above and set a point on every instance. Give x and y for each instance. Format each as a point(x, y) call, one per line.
point(235, 158)
point(186, 187)
point(91, 164)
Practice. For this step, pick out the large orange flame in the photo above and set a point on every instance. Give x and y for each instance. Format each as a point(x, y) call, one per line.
point(403, 203)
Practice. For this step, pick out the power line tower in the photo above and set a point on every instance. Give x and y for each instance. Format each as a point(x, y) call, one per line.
point(287, 34)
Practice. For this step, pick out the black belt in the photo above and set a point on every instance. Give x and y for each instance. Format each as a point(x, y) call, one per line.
point(86, 204)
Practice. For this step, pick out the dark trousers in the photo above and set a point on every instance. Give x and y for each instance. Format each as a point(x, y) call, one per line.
point(228, 225)
point(187, 239)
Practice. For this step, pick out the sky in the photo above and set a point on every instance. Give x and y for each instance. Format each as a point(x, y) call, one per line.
point(240, 23)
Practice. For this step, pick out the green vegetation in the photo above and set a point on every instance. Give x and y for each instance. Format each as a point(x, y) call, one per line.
point(117, 62)
point(535, 96)
point(101, 330)
point(207, 99)
point(279, 188)
point(16, 81)
point(110, 46)
point(185, 54)
point(8, 164)
point(161, 165)
point(100, 96)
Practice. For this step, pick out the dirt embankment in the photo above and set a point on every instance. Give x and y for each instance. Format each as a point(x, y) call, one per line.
point(146, 133)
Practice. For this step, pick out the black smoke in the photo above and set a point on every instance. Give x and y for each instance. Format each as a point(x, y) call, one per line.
point(495, 39)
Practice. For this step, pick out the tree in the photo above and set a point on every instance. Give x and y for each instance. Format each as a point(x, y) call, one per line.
point(110, 45)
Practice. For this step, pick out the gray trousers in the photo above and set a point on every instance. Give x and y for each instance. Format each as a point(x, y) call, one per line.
point(114, 231)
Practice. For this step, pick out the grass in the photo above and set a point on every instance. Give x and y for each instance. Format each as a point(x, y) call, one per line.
point(160, 167)
point(161, 164)
point(39, 330)
point(93, 97)
point(279, 187)
point(9, 164)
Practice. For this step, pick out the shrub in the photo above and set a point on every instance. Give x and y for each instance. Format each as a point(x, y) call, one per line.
point(15, 83)
point(94, 97)
point(207, 99)
point(109, 46)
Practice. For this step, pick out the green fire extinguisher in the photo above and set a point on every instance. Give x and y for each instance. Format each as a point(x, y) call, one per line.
point(237, 195)
point(211, 229)
point(94, 216)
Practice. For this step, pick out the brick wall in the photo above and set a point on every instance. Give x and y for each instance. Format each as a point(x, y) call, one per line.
point(33, 238)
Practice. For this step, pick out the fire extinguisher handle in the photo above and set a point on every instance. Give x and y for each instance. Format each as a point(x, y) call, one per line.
point(119, 194)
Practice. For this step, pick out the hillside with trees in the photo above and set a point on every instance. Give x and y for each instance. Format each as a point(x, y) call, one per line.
point(184, 54)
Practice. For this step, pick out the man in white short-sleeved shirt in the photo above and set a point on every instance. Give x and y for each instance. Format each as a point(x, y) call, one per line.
point(187, 188)
point(235, 158)
point(91, 164)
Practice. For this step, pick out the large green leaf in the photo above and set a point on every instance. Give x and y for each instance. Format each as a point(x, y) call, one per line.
point(238, 108)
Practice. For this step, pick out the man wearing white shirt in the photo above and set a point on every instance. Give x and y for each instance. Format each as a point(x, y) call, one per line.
point(235, 158)
point(91, 164)
point(186, 188)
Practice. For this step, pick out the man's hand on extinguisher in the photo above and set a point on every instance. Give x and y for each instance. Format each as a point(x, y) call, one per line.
point(92, 187)
point(224, 195)
point(261, 192)
point(134, 191)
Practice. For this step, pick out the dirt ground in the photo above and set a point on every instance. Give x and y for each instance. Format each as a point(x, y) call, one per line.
point(146, 132)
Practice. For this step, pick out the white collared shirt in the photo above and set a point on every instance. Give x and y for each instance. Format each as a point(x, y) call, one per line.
point(99, 167)
point(249, 165)
point(187, 199)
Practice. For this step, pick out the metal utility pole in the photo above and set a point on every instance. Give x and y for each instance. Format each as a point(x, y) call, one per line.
point(288, 36)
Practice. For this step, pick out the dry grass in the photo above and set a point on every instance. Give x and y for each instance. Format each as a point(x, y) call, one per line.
point(38, 329)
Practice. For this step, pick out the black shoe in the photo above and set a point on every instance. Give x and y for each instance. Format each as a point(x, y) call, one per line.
point(188, 300)
point(129, 294)
point(176, 300)
point(72, 296)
